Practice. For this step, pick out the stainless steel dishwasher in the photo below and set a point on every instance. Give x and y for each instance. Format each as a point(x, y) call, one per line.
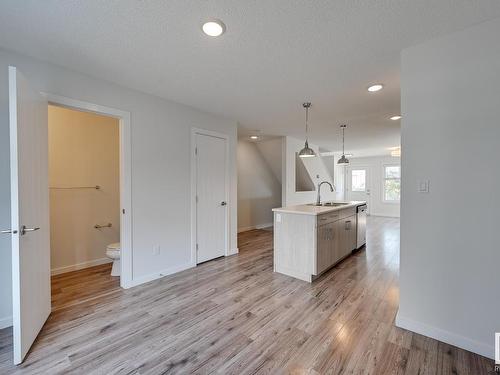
point(361, 225)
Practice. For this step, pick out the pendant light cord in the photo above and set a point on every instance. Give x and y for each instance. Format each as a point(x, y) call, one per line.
point(307, 126)
point(306, 105)
point(343, 142)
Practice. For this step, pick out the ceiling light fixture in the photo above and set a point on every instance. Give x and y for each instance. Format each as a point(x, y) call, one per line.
point(343, 160)
point(254, 137)
point(395, 118)
point(307, 152)
point(214, 28)
point(375, 88)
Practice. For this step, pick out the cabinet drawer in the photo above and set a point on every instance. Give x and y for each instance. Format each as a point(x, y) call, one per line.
point(330, 217)
point(347, 212)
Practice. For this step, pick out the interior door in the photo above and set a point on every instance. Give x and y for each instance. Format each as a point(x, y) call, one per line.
point(211, 197)
point(29, 211)
point(358, 184)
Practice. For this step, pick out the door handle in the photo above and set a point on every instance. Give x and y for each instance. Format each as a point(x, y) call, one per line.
point(8, 231)
point(23, 230)
point(223, 203)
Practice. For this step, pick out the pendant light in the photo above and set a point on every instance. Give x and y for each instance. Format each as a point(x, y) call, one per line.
point(307, 152)
point(343, 159)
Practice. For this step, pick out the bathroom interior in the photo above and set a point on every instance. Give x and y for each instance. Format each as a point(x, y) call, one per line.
point(84, 188)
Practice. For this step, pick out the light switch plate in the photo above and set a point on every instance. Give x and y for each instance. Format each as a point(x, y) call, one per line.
point(278, 218)
point(423, 186)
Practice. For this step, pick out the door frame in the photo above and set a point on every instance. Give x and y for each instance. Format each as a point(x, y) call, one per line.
point(194, 213)
point(126, 275)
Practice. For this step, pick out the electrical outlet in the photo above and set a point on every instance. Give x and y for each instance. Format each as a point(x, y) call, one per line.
point(156, 249)
point(278, 218)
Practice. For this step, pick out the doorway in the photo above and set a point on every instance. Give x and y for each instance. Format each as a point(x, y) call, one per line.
point(30, 224)
point(211, 232)
point(358, 184)
point(124, 185)
point(84, 201)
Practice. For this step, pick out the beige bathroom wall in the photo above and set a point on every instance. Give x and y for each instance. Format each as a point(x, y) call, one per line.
point(83, 151)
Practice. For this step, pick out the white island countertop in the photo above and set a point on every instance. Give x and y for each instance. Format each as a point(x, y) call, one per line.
point(311, 209)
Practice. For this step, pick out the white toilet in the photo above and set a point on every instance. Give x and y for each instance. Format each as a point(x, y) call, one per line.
point(113, 252)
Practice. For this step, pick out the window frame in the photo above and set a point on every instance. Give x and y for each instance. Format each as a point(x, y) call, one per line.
point(384, 179)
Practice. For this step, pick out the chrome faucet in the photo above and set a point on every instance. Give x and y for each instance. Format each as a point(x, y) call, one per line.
point(318, 199)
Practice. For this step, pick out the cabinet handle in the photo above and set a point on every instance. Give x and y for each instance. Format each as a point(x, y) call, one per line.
point(348, 225)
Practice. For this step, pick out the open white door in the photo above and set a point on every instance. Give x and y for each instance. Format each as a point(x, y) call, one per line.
point(30, 212)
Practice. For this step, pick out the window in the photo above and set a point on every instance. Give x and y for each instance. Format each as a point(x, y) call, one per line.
point(392, 183)
point(358, 180)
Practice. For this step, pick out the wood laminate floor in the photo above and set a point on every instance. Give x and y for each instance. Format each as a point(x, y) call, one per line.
point(235, 316)
point(78, 287)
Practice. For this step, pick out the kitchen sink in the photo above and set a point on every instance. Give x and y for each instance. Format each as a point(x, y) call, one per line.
point(334, 204)
point(329, 204)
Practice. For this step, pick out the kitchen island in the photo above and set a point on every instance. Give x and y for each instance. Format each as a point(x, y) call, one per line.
point(310, 239)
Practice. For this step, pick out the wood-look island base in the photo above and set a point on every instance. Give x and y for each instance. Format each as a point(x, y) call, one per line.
point(308, 240)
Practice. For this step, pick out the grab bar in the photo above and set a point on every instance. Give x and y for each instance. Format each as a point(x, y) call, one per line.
point(108, 225)
point(97, 187)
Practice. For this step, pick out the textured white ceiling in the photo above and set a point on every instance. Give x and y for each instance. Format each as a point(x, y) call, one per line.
point(274, 55)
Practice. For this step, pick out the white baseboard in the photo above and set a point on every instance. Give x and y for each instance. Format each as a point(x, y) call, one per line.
point(244, 229)
point(79, 266)
point(233, 251)
point(5, 322)
point(258, 226)
point(447, 337)
point(158, 275)
point(263, 226)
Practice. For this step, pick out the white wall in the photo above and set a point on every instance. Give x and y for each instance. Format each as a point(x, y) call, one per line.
point(272, 151)
point(83, 151)
point(161, 136)
point(450, 257)
point(317, 171)
point(337, 172)
point(375, 166)
point(259, 190)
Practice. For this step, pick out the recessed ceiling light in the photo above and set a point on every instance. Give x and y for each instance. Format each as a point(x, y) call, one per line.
point(214, 28)
point(395, 118)
point(375, 88)
point(254, 137)
point(349, 155)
